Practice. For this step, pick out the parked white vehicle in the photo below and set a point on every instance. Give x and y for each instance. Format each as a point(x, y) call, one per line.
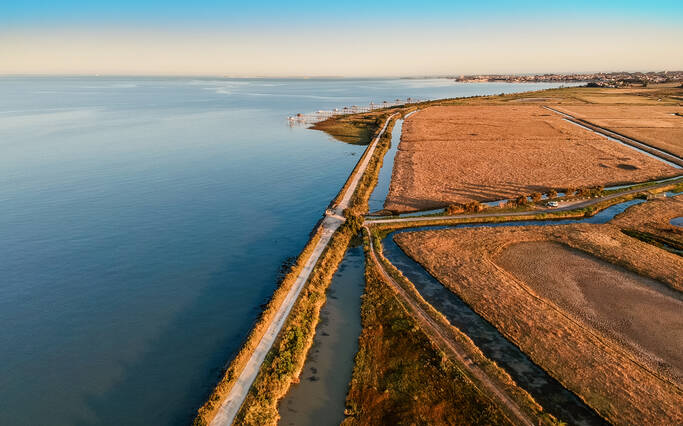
point(552, 204)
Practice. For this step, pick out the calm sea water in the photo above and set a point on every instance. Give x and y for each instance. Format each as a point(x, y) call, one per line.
point(143, 222)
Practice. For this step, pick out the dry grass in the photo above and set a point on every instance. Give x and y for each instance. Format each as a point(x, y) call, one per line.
point(655, 217)
point(401, 377)
point(611, 299)
point(655, 125)
point(613, 373)
point(461, 153)
point(356, 129)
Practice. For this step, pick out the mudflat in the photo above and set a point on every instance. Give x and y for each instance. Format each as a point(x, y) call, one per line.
point(609, 298)
point(658, 126)
point(455, 154)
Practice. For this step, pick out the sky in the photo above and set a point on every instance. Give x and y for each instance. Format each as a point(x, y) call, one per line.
point(349, 38)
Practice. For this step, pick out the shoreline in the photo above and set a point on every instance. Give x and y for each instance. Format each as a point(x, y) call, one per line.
point(316, 260)
point(350, 204)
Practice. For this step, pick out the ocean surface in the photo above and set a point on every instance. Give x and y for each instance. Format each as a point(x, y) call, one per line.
point(143, 223)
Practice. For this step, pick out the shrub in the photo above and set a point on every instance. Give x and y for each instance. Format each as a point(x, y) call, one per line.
point(597, 190)
point(552, 193)
point(536, 197)
point(569, 191)
point(353, 222)
point(522, 200)
point(473, 207)
point(583, 192)
point(510, 204)
point(455, 209)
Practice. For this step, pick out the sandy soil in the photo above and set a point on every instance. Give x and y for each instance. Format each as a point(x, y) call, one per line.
point(454, 154)
point(628, 376)
point(655, 125)
point(609, 298)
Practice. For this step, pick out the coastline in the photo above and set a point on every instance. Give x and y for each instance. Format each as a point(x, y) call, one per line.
point(290, 350)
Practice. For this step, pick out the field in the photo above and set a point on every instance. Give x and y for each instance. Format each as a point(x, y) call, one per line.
point(609, 298)
point(652, 223)
point(580, 300)
point(655, 125)
point(456, 154)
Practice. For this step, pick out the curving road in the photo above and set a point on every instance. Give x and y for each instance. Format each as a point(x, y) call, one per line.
point(231, 405)
point(570, 205)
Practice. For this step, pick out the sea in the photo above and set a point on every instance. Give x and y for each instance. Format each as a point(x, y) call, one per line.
point(145, 222)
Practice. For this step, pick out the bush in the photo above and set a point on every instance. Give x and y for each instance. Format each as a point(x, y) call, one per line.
point(522, 200)
point(569, 191)
point(597, 190)
point(455, 209)
point(473, 207)
point(536, 197)
point(583, 192)
point(353, 222)
point(552, 193)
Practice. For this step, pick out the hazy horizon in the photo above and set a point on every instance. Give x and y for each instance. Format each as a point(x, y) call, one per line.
point(383, 39)
point(324, 77)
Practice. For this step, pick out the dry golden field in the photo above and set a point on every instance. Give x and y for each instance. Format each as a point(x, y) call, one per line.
point(658, 126)
point(654, 218)
point(599, 310)
point(455, 154)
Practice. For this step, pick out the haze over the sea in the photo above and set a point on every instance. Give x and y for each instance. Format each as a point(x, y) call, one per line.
point(352, 38)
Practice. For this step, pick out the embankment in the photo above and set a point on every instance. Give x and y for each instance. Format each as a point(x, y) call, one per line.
point(285, 360)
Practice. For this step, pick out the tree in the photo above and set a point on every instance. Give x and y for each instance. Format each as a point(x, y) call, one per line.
point(536, 197)
point(455, 209)
point(584, 192)
point(522, 200)
point(552, 193)
point(473, 207)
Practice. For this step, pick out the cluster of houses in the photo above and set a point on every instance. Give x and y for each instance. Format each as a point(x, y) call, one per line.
point(601, 79)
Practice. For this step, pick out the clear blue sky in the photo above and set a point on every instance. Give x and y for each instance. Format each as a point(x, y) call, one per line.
point(337, 38)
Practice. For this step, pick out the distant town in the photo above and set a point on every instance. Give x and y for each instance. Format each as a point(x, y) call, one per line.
point(601, 79)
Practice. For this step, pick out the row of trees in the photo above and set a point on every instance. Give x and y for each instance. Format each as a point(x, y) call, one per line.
point(470, 207)
point(525, 200)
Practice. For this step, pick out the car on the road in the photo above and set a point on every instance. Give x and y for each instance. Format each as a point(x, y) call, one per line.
point(552, 204)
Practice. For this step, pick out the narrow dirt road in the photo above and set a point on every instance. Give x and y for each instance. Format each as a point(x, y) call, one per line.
point(667, 157)
point(568, 206)
point(230, 407)
point(434, 330)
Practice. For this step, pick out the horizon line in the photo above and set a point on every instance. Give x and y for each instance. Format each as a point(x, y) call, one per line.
point(328, 77)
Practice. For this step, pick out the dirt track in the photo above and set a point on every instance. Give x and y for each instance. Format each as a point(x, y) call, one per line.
point(462, 153)
point(433, 329)
point(625, 384)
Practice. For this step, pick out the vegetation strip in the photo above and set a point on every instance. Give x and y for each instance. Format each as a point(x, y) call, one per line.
point(401, 377)
point(588, 209)
point(318, 261)
point(488, 378)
